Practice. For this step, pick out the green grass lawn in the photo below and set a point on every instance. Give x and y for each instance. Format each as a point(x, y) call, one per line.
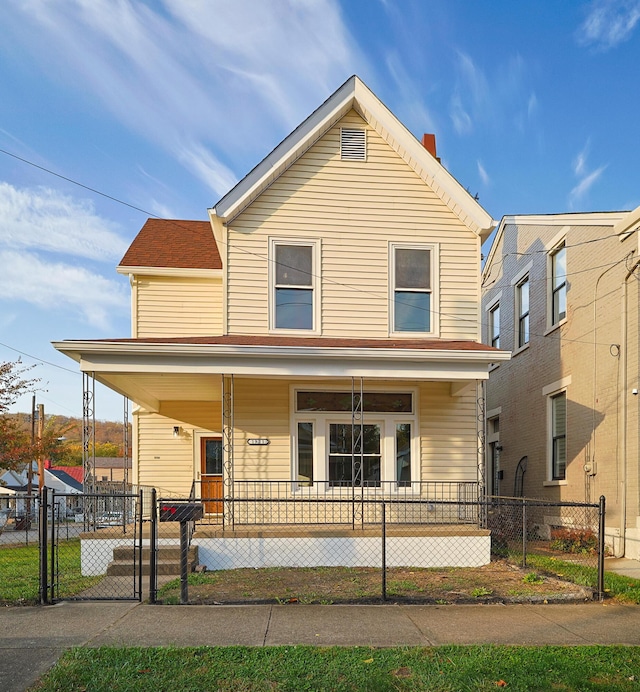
point(298, 668)
point(19, 573)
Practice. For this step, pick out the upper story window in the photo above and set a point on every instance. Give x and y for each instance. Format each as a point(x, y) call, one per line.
point(293, 285)
point(558, 293)
point(558, 436)
point(412, 284)
point(522, 308)
point(494, 325)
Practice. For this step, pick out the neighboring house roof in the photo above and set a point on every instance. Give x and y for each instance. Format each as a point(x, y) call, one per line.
point(64, 478)
point(354, 94)
point(111, 463)
point(172, 243)
point(75, 472)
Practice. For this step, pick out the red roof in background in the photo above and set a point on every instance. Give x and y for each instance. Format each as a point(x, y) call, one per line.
point(174, 243)
point(76, 472)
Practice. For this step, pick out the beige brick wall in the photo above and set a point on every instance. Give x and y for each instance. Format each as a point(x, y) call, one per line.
point(587, 351)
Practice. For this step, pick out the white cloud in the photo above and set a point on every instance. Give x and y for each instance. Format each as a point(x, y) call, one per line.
point(580, 162)
point(51, 221)
point(184, 66)
point(581, 189)
point(60, 288)
point(484, 176)
point(609, 23)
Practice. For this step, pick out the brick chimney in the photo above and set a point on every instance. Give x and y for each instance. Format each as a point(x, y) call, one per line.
point(429, 143)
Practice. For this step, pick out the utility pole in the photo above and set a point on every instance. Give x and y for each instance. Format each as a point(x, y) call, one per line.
point(30, 467)
point(40, 455)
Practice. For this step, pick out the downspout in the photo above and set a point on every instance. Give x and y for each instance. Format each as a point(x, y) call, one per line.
point(623, 426)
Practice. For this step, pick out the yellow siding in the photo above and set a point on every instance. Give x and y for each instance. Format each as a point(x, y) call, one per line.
point(449, 439)
point(168, 306)
point(447, 427)
point(165, 462)
point(355, 209)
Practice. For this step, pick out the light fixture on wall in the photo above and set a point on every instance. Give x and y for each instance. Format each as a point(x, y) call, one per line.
point(177, 431)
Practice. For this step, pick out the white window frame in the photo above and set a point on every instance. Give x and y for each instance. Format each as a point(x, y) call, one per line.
point(549, 392)
point(516, 282)
point(558, 242)
point(519, 343)
point(491, 309)
point(434, 307)
point(316, 283)
point(387, 421)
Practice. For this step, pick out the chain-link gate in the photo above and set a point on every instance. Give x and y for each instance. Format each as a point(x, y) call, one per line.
point(90, 547)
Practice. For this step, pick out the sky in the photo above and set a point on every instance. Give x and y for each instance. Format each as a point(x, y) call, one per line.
point(112, 111)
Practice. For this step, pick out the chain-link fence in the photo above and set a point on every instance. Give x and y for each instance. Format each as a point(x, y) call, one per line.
point(363, 547)
point(565, 538)
point(371, 549)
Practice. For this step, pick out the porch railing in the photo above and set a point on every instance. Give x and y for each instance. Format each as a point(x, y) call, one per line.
point(329, 502)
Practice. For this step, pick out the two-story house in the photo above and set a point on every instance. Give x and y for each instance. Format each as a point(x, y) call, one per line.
point(560, 291)
point(320, 332)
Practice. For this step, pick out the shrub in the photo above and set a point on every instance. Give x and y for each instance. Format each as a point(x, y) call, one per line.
point(581, 541)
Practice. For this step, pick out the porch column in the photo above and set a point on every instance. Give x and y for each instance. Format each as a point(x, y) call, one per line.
point(89, 446)
point(227, 448)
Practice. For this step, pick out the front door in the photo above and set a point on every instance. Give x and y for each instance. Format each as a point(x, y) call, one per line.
point(211, 474)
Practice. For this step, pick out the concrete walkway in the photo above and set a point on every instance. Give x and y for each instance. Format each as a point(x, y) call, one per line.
point(33, 638)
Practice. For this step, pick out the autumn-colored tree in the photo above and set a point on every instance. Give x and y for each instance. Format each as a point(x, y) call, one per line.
point(16, 447)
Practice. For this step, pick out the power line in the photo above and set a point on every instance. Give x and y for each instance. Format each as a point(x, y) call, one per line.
point(39, 360)
point(75, 182)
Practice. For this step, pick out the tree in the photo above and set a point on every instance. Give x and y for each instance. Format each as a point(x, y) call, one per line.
point(16, 447)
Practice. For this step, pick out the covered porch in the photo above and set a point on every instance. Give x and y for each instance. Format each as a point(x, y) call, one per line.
point(289, 431)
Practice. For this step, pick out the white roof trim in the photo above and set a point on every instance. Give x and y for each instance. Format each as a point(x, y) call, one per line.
point(593, 218)
point(170, 271)
point(629, 223)
point(355, 94)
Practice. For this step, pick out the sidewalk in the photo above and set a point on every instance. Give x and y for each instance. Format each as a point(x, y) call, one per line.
point(33, 638)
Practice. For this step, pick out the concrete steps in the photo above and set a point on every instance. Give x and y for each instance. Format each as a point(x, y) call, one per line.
point(122, 564)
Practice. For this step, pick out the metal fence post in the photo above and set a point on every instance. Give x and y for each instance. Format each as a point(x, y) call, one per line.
point(384, 552)
point(137, 553)
point(153, 540)
point(601, 513)
point(524, 532)
point(54, 546)
point(44, 590)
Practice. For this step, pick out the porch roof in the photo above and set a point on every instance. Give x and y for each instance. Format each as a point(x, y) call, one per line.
point(150, 371)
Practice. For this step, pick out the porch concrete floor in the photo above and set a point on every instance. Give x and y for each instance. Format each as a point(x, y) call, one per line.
point(335, 530)
point(204, 530)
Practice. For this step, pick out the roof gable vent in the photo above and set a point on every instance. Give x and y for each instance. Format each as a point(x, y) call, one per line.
point(353, 144)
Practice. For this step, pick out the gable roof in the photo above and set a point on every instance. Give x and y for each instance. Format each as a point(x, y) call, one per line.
point(75, 472)
point(354, 94)
point(173, 243)
point(65, 478)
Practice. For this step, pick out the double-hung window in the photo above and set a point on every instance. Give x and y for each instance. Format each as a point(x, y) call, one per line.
point(522, 303)
point(558, 437)
point(412, 283)
point(558, 296)
point(293, 289)
point(494, 325)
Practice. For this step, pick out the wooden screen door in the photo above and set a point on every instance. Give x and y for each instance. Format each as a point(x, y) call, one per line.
point(211, 474)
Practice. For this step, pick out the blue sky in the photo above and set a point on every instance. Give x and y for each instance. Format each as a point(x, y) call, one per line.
point(164, 105)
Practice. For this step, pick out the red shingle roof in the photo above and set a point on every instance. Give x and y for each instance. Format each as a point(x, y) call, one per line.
point(311, 342)
point(174, 243)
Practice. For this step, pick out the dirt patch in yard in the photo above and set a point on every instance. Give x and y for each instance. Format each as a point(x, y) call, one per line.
point(498, 582)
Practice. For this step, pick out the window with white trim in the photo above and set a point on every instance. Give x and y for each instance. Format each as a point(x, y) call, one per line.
point(558, 287)
point(412, 285)
point(558, 435)
point(333, 449)
point(293, 285)
point(522, 310)
point(494, 325)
